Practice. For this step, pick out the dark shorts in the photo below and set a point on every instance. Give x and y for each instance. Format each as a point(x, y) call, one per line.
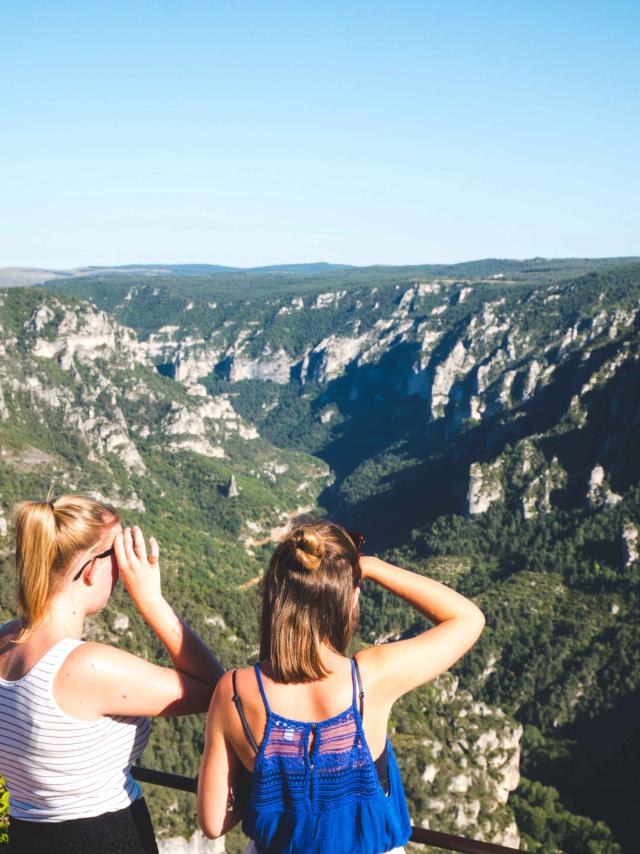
point(127, 831)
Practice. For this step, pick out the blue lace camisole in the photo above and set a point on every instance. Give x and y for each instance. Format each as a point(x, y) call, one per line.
point(323, 798)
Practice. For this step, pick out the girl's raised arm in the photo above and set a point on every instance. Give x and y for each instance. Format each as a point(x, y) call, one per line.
point(111, 681)
point(394, 669)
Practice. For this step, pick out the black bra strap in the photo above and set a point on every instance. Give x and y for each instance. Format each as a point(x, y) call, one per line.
point(360, 688)
point(243, 719)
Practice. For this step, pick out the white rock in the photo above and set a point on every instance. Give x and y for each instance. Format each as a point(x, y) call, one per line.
point(327, 299)
point(489, 668)
point(505, 391)
point(42, 317)
point(121, 623)
point(198, 446)
point(458, 363)
point(424, 288)
point(4, 410)
point(466, 814)
point(269, 366)
point(192, 362)
point(196, 390)
point(328, 414)
point(233, 490)
point(485, 486)
point(459, 784)
point(476, 408)
point(272, 469)
point(597, 493)
point(429, 773)
point(531, 380)
point(197, 844)
point(132, 502)
point(331, 356)
point(630, 551)
point(216, 621)
point(509, 837)
point(193, 426)
point(296, 304)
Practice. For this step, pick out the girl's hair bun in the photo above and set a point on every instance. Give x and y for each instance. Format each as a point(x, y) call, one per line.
point(310, 549)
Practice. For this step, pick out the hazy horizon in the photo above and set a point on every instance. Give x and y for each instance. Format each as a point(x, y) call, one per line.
point(235, 267)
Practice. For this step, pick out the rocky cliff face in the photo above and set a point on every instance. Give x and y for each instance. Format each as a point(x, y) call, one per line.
point(78, 401)
point(475, 353)
point(477, 362)
point(468, 757)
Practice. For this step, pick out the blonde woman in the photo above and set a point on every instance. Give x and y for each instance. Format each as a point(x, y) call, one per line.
point(305, 729)
point(74, 715)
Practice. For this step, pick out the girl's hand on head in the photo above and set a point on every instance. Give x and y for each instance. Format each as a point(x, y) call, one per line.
point(365, 563)
point(140, 573)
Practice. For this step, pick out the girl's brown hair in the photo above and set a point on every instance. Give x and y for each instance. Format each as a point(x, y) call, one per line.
point(307, 600)
point(49, 534)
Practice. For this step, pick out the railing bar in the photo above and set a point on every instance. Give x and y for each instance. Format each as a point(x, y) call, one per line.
point(419, 834)
point(162, 778)
point(456, 843)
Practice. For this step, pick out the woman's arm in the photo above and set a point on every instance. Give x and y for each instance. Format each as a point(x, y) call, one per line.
point(397, 668)
point(98, 680)
point(219, 799)
point(141, 576)
point(101, 680)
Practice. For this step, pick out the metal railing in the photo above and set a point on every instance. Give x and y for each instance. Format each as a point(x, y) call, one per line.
point(418, 834)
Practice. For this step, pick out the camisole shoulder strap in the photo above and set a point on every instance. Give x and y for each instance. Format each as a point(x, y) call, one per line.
point(243, 718)
point(263, 694)
point(358, 679)
point(238, 704)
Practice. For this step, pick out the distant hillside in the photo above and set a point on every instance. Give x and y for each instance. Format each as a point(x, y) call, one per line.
point(25, 276)
point(498, 268)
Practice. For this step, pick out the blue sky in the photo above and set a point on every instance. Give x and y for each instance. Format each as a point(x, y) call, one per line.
point(359, 132)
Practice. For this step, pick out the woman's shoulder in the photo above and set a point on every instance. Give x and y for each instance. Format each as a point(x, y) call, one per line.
point(235, 681)
point(95, 656)
point(92, 662)
point(236, 687)
point(372, 666)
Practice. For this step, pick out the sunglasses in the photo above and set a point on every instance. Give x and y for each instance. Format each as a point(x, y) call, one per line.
point(108, 553)
point(358, 538)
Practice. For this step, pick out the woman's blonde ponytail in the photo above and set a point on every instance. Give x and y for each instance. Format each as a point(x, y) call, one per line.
point(36, 549)
point(48, 535)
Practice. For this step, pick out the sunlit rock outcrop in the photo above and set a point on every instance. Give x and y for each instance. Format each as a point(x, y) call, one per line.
point(485, 486)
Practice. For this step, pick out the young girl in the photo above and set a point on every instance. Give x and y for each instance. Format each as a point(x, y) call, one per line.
point(307, 725)
point(74, 715)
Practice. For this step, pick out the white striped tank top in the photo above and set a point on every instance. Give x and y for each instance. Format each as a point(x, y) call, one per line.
point(57, 767)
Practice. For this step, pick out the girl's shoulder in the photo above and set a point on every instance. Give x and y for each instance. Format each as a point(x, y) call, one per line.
point(238, 681)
